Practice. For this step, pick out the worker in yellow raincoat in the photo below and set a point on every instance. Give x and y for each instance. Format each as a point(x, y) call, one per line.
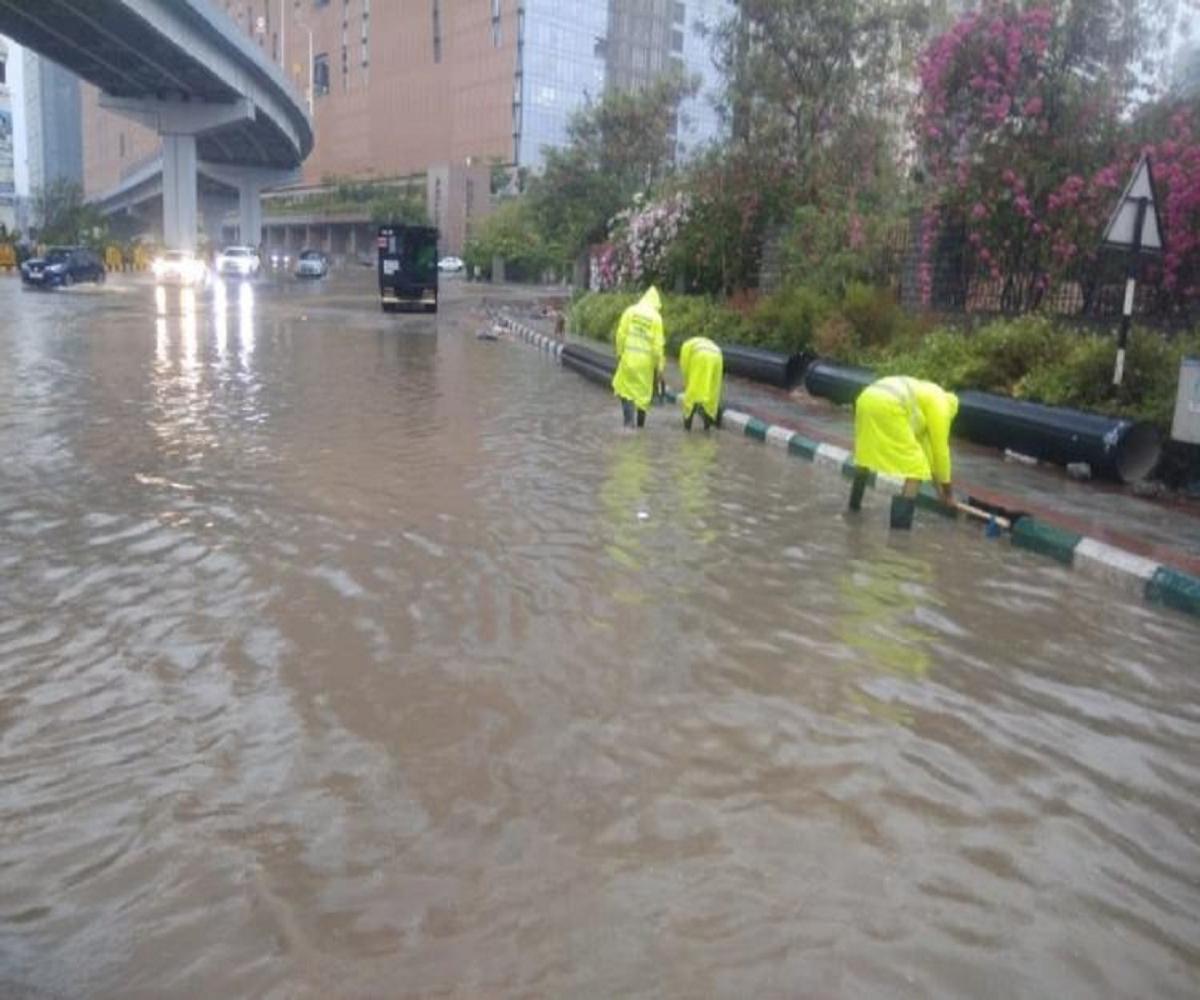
point(902, 428)
point(641, 356)
point(703, 369)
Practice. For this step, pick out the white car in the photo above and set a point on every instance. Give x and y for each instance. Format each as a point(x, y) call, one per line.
point(450, 264)
point(179, 267)
point(240, 261)
point(312, 264)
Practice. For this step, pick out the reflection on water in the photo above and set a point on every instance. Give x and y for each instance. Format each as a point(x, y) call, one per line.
point(337, 660)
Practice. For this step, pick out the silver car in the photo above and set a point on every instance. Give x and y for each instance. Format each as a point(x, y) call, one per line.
point(312, 264)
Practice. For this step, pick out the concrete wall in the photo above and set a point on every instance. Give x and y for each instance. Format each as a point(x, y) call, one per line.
point(112, 145)
point(402, 111)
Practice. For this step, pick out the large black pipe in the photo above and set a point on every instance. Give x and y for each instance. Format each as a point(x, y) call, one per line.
point(1114, 448)
point(771, 367)
point(590, 364)
point(840, 383)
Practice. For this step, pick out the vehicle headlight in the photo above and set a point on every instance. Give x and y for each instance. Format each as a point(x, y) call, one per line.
point(57, 268)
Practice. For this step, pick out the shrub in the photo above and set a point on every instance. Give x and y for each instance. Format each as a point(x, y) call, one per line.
point(595, 314)
point(788, 320)
point(872, 313)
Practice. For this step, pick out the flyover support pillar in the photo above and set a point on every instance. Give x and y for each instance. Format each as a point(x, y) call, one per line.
point(250, 211)
point(179, 191)
point(179, 122)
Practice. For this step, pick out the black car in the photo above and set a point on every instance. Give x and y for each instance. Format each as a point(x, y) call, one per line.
point(63, 266)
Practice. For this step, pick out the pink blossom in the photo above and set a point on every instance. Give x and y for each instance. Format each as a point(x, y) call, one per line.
point(1033, 107)
point(979, 211)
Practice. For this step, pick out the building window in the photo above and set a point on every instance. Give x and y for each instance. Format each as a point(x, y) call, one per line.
point(437, 31)
point(678, 12)
point(345, 45)
point(676, 41)
point(320, 3)
point(366, 22)
point(3, 71)
point(496, 23)
point(320, 74)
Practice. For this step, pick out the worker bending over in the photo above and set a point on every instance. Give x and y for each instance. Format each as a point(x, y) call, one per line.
point(703, 369)
point(641, 356)
point(902, 428)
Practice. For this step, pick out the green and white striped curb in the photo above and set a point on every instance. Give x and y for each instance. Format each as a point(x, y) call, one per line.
point(1131, 574)
point(538, 340)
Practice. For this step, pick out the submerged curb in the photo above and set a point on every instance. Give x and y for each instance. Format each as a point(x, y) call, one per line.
point(1134, 575)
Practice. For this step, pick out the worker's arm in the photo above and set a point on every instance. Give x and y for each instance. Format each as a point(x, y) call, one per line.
point(660, 350)
point(937, 426)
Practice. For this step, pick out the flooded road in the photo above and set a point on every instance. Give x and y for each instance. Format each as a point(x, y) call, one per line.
point(345, 655)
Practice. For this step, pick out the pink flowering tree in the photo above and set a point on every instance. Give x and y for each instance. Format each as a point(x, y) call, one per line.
point(1025, 142)
point(1080, 206)
point(641, 241)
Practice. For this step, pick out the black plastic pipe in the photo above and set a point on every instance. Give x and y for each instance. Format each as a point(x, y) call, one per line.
point(1113, 448)
point(840, 383)
point(592, 365)
point(759, 365)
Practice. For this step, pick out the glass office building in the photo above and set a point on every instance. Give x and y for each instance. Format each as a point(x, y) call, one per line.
point(560, 66)
point(569, 51)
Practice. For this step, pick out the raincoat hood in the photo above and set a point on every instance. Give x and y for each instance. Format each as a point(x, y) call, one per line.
point(652, 299)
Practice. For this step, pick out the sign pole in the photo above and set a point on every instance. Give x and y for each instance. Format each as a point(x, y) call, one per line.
point(1130, 289)
point(1136, 228)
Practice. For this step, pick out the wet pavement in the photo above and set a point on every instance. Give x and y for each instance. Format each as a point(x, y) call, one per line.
point(347, 655)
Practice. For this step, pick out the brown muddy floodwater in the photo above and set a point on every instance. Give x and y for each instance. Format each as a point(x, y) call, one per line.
point(336, 661)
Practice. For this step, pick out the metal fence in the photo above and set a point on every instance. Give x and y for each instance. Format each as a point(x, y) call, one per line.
point(1093, 293)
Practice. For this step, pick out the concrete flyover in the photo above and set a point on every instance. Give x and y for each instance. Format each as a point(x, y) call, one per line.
point(183, 68)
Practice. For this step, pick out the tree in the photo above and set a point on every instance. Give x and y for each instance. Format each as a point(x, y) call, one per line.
point(806, 81)
point(1018, 108)
point(64, 216)
point(510, 232)
point(619, 146)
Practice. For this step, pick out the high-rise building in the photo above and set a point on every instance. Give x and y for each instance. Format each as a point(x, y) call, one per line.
point(8, 183)
point(40, 138)
point(437, 93)
point(54, 140)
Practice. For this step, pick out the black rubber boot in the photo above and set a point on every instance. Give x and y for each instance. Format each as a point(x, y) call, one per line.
point(858, 489)
point(903, 509)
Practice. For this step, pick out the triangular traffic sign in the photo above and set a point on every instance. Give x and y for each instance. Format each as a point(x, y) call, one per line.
point(1121, 231)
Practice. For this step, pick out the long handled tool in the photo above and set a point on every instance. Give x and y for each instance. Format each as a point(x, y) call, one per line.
point(984, 515)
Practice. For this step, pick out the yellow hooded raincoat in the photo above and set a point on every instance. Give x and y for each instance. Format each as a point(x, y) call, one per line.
point(641, 354)
point(902, 428)
point(703, 368)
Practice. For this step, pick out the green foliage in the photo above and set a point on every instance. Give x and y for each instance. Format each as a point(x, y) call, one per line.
point(596, 315)
point(620, 145)
point(1030, 357)
point(401, 201)
point(788, 320)
point(66, 218)
point(873, 314)
point(808, 81)
point(510, 232)
point(1082, 376)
